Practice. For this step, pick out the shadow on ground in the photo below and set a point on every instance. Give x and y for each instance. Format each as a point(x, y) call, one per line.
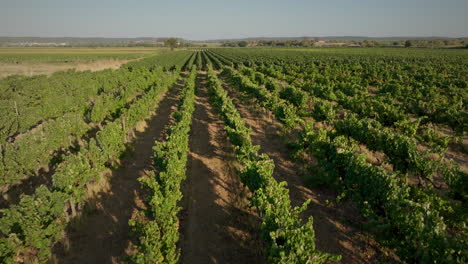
point(102, 234)
point(216, 227)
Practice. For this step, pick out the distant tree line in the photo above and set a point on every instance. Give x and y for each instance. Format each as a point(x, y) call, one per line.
point(270, 43)
point(436, 43)
point(305, 42)
point(169, 42)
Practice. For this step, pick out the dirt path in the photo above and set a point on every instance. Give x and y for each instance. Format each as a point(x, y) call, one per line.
point(337, 228)
point(215, 226)
point(102, 235)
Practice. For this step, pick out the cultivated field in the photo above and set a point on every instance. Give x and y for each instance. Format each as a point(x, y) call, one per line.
point(237, 155)
point(71, 54)
point(37, 61)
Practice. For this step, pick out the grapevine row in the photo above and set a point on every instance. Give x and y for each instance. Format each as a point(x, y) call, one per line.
point(58, 123)
point(287, 239)
point(412, 220)
point(157, 227)
point(21, 158)
point(431, 85)
point(357, 100)
point(38, 220)
point(400, 149)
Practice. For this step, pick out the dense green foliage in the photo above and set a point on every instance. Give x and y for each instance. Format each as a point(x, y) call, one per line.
point(169, 61)
point(337, 106)
point(157, 227)
point(421, 224)
point(66, 57)
point(49, 114)
point(288, 240)
point(45, 213)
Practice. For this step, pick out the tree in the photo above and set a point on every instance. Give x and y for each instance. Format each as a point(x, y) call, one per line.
point(305, 43)
point(171, 42)
point(438, 43)
point(377, 43)
point(242, 43)
point(408, 44)
point(422, 43)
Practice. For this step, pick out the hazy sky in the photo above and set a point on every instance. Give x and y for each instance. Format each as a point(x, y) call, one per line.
point(210, 19)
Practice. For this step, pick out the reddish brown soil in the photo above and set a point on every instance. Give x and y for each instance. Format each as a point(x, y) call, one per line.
point(102, 235)
point(216, 227)
point(338, 227)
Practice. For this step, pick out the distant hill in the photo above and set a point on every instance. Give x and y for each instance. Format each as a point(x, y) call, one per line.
point(75, 41)
point(341, 38)
point(97, 41)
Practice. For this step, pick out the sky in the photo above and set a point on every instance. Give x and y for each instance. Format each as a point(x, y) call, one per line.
point(210, 19)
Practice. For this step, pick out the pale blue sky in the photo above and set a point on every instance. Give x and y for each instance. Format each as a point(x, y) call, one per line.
point(210, 19)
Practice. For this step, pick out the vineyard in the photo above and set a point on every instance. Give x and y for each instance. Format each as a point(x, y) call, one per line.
point(239, 155)
point(67, 55)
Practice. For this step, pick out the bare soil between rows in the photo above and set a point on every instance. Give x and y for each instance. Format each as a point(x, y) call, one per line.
point(216, 225)
point(338, 227)
point(102, 234)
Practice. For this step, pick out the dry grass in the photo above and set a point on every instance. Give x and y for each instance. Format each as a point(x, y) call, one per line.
point(30, 69)
point(139, 50)
point(36, 61)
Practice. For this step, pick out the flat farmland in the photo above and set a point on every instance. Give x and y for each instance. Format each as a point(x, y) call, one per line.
point(238, 155)
point(36, 61)
point(71, 54)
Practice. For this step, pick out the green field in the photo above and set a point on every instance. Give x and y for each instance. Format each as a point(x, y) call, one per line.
point(258, 155)
point(13, 55)
point(377, 51)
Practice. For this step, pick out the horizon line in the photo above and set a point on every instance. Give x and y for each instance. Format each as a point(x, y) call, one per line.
point(240, 38)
